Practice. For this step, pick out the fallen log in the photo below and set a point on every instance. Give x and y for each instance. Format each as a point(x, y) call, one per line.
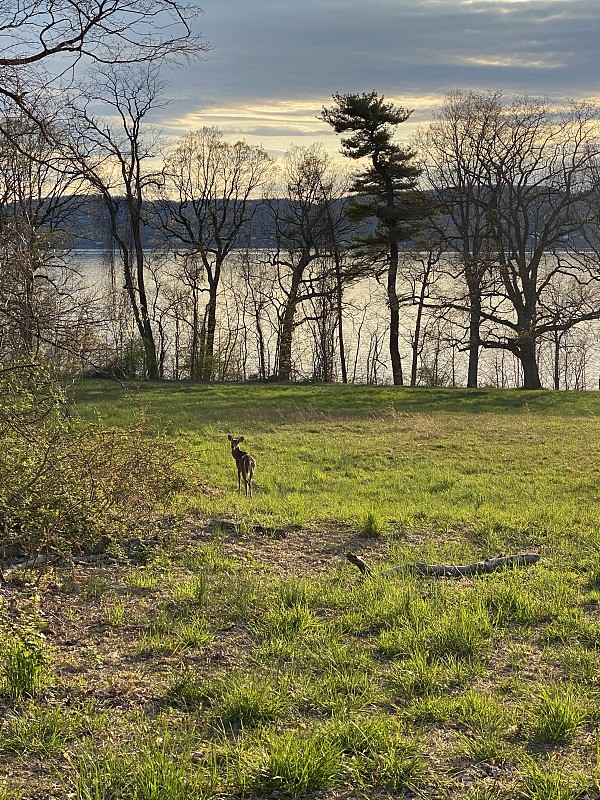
point(450, 570)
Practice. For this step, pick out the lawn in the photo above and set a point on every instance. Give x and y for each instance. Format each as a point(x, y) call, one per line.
point(242, 655)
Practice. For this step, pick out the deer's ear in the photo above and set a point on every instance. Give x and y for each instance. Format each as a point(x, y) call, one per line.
point(230, 437)
point(241, 438)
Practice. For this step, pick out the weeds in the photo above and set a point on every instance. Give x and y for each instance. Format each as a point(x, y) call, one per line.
point(295, 765)
point(417, 675)
point(372, 525)
point(44, 731)
point(542, 782)
point(557, 715)
point(159, 769)
point(25, 668)
point(464, 633)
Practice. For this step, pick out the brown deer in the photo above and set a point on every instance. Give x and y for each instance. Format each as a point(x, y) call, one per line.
point(245, 464)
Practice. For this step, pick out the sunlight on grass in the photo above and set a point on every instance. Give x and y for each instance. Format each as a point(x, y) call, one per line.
point(249, 659)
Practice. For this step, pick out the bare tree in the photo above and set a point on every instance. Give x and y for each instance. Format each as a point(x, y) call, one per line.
point(520, 213)
point(453, 151)
point(41, 44)
point(38, 199)
point(208, 205)
point(116, 156)
point(310, 223)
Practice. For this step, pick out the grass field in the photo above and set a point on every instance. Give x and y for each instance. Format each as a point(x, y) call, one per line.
point(245, 657)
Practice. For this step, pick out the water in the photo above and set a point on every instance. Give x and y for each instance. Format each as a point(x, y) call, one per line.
point(248, 321)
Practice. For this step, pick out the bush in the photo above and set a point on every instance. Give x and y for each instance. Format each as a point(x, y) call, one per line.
point(64, 485)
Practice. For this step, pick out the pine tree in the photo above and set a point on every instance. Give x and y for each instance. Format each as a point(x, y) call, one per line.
point(385, 192)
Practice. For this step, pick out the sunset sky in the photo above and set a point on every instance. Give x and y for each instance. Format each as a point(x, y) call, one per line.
point(274, 63)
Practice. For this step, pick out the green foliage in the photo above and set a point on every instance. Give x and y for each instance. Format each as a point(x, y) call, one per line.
point(243, 699)
point(191, 590)
point(113, 613)
point(324, 682)
point(187, 688)
point(238, 698)
point(386, 190)
point(485, 746)
point(463, 632)
point(417, 675)
point(287, 622)
point(481, 713)
point(484, 441)
point(165, 634)
point(579, 664)
point(339, 691)
point(542, 782)
point(25, 665)
point(372, 525)
point(379, 752)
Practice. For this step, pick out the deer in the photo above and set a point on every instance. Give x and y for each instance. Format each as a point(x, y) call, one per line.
point(245, 464)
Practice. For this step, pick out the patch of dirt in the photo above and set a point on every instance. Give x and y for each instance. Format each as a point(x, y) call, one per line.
point(293, 550)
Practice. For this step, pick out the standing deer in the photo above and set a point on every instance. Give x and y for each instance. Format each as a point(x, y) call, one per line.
point(245, 464)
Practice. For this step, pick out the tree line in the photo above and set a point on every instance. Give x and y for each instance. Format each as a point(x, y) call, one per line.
point(480, 239)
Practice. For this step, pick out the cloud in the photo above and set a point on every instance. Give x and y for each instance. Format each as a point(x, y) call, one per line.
point(276, 62)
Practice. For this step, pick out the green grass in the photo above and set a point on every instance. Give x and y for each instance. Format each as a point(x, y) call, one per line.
point(508, 466)
point(256, 662)
point(46, 731)
point(24, 665)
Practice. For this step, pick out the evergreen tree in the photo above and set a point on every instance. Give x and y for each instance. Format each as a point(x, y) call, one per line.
point(385, 192)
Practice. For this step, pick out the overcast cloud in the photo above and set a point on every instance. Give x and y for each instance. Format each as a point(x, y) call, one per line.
point(274, 63)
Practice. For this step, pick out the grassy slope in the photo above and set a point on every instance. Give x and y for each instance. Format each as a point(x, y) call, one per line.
point(504, 465)
point(206, 673)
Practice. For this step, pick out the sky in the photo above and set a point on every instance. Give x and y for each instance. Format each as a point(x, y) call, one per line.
point(275, 63)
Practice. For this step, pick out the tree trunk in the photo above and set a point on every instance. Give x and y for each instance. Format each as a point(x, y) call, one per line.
point(195, 348)
point(208, 355)
point(474, 323)
point(287, 330)
point(394, 305)
point(557, 340)
point(526, 354)
point(340, 319)
point(418, 324)
point(416, 342)
point(152, 367)
point(260, 341)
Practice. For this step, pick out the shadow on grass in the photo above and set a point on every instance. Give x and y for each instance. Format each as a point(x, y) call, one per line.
point(199, 405)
